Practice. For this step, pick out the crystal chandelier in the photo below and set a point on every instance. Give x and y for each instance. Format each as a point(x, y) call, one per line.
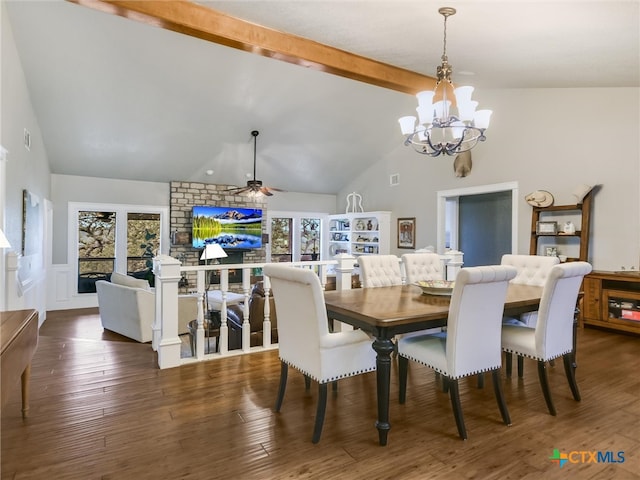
point(439, 130)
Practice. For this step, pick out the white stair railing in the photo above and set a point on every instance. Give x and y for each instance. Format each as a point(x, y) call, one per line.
point(166, 341)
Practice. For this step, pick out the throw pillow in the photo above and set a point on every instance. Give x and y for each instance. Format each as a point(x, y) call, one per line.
point(127, 281)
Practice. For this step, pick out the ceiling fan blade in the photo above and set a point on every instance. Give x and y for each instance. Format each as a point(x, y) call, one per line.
point(276, 189)
point(239, 189)
point(265, 191)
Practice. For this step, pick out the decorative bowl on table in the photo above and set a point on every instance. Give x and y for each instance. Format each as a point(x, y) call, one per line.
point(435, 287)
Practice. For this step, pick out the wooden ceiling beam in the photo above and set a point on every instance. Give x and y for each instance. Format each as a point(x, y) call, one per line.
point(208, 24)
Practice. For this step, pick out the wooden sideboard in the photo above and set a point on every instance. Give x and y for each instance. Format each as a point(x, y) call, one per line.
point(612, 300)
point(19, 338)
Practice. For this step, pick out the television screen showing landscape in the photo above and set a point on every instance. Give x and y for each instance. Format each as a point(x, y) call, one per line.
point(229, 227)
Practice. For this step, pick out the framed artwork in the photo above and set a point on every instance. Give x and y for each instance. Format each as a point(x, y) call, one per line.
point(32, 225)
point(407, 232)
point(547, 228)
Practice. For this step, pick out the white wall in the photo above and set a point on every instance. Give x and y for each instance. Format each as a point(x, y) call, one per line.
point(302, 202)
point(549, 139)
point(70, 188)
point(24, 169)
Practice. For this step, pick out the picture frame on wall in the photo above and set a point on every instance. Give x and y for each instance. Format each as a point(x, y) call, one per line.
point(407, 232)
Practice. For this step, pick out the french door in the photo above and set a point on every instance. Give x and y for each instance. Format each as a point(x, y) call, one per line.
point(114, 238)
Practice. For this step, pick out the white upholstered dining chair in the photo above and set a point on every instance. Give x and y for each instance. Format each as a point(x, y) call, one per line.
point(552, 336)
point(305, 341)
point(422, 266)
point(532, 270)
point(379, 270)
point(472, 342)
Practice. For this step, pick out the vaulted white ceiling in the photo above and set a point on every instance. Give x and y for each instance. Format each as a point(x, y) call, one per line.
point(121, 99)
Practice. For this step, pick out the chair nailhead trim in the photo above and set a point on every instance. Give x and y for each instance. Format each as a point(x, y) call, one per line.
point(535, 357)
point(331, 379)
point(445, 373)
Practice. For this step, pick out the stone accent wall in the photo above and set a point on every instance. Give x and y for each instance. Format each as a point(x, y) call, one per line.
point(184, 195)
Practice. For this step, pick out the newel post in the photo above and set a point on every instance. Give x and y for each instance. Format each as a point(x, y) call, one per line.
point(344, 270)
point(454, 264)
point(165, 327)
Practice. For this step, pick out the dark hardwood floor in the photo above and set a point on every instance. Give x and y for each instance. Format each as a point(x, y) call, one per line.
point(101, 409)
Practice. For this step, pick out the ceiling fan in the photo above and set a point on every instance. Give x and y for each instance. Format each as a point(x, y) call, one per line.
point(254, 187)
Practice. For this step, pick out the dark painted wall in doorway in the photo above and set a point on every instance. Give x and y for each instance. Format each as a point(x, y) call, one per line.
point(484, 226)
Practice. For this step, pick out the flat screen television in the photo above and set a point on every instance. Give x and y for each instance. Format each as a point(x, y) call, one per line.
point(229, 227)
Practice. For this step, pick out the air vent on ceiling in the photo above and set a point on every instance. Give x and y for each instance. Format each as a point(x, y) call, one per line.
point(394, 179)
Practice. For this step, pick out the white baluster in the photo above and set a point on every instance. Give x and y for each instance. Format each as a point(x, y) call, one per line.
point(266, 325)
point(224, 328)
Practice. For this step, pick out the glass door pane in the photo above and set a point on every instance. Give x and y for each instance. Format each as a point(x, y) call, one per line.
point(310, 239)
point(143, 243)
point(281, 243)
point(96, 248)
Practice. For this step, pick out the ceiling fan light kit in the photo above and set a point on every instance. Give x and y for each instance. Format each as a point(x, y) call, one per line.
point(254, 187)
point(438, 130)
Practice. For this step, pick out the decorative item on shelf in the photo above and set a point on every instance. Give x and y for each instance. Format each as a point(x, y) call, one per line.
point(254, 187)
point(580, 192)
point(569, 228)
point(539, 198)
point(551, 251)
point(547, 228)
point(354, 203)
point(438, 130)
point(360, 225)
point(369, 225)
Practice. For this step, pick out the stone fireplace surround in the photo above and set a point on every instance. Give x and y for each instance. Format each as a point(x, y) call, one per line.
point(185, 195)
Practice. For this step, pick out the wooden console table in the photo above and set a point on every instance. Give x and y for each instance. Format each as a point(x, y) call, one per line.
point(612, 300)
point(19, 336)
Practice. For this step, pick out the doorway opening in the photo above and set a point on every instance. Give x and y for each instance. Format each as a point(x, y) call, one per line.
point(480, 221)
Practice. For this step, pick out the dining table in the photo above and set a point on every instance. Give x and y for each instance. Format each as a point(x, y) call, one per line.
point(388, 311)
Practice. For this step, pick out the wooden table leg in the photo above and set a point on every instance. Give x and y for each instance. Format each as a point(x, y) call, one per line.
point(26, 376)
point(384, 348)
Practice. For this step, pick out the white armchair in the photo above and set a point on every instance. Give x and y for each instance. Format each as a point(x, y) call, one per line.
point(127, 306)
point(423, 266)
point(531, 270)
point(553, 335)
point(472, 343)
point(304, 339)
point(379, 270)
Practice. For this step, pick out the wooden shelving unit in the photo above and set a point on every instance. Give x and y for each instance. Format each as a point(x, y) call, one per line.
point(555, 212)
point(362, 233)
point(612, 300)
